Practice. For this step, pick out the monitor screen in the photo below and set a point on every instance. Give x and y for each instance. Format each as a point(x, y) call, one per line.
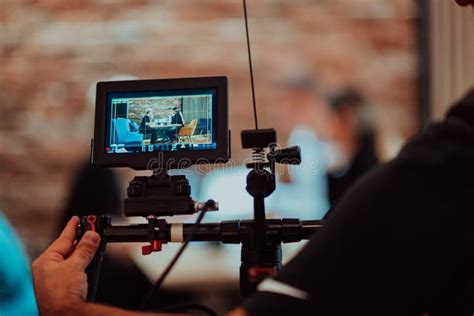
point(161, 121)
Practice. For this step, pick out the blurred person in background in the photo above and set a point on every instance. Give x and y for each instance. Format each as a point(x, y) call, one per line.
point(305, 108)
point(337, 147)
point(16, 287)
point(353, 138)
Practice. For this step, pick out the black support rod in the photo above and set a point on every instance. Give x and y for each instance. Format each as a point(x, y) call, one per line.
point(286, 230)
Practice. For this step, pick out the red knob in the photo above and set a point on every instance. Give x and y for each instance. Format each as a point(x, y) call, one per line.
point(91, 219)
point(155, 246)
point(256, 272)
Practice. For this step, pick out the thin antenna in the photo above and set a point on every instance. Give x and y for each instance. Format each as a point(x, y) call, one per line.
point(250, 65)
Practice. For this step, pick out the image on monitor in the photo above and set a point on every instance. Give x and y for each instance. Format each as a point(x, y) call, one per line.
point(153, 121)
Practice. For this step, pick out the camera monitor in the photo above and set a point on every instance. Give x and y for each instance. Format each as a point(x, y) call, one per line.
point(166, 123)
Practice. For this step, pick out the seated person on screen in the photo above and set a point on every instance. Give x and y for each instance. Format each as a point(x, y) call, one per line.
point(178, 119)
point(145, 125)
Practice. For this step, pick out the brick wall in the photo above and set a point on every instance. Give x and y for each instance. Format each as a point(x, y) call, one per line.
point(52, 51)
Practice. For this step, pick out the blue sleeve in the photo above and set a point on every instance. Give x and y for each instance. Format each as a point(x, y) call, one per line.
point(16, 286)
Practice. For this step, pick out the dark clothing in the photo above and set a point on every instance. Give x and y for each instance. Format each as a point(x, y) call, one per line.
point(146, 130)
point(177, 118)
point(364, 160)
point(143, 125)
point(399, 242)
point(95, 191)
point(121, 284)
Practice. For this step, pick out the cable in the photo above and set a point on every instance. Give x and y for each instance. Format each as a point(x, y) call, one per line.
point(250, 65)
point(156, 287)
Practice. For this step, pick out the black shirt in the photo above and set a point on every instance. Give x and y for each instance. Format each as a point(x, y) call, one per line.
point(364, 160)
point(400, 241)
point(143, 125)
point(177, 118)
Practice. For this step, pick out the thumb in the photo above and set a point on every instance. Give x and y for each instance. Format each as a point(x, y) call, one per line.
point(85, 250)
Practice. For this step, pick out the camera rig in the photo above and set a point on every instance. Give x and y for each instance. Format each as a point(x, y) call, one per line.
point(164, 195)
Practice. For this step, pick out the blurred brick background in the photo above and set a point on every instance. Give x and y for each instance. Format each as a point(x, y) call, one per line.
point(52, 51)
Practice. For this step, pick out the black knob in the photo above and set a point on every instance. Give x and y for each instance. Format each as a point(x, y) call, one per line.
point(288, 156)
point(183, 188)
point(134, 189)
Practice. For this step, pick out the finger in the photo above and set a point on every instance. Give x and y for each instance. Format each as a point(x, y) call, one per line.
point(72, 249)
point(85, 250)
point(65, 241)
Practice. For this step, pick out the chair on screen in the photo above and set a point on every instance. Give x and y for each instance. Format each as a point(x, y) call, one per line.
point(203, 126)
point(187, 131)
point(123, 135)
point(133, 126)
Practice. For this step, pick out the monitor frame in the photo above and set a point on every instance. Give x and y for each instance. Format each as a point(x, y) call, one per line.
point(161, 159)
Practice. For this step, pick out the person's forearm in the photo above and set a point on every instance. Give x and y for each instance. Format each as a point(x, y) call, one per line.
point(86, 309)
point(238, 312)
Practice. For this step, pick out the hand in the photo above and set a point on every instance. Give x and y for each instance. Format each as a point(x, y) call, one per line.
point(238, 312)
point(59, 276)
